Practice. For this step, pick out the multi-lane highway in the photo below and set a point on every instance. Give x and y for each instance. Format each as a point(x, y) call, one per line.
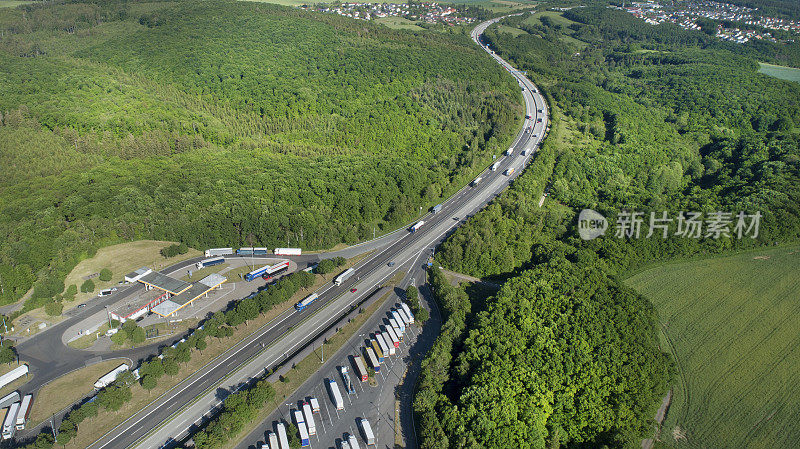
point(170, 416)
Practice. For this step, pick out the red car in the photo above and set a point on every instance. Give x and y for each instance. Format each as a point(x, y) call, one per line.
point(352, 290)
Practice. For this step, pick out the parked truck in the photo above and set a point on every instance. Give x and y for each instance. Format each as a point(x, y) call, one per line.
point(336, 395)
point(348, 384)
point(314, 405)
point(353, 441)
point(24, 412)
point(416, 226)
point(373, 360)
point(399, 321)
point(403, 317)
point(309, 417)
point(9, 399)
point(272, 437)
point(347, 274)
point(287, 251)
point(393, 335)
point(377, 348)
point(218, 252)
point(301, 429)
point(384, 347)
point(389, 342)
point(407, 310)
point(111, 376)
point(209, 262)
point(10, 422)
point(366, 431)
point(361, 368)
point(281, 428)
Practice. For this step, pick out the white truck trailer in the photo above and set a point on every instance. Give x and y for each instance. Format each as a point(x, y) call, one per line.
point(366, 431)
point(336, 395)
point(24, 412)
point(347, 274)
point(111, 376)
point(9, 424)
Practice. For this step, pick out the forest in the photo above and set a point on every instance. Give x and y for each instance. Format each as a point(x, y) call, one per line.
point(644, 118)
point(226, 123)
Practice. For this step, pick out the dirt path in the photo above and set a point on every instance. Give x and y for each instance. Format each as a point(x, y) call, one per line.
point(647, 443)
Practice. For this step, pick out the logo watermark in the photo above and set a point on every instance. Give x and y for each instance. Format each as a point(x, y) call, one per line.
point(633, 224)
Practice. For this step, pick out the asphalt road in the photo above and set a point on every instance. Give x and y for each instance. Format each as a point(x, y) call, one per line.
point(169, 418)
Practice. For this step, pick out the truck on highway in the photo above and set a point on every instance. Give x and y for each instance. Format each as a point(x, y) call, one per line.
point(389, 342)
point(373, 360)
point(384, 347)
point(314, 405)
point(407, 310)
point(495, 166)
point(24, 412)
point(366, 431)
point(281, 428)
point(416, 226)
point(437, 208)
point(399, 321)
point(287, 251)
point(509, 171)
point(218, 252)
point(347, 274)
point(477, 181)
point(309, 417)
point(510, 151)
point(10, 421)
point(301, 429)
point(111, 376)
point(361, 368)
point(377, 348)
point(305, 302)
point(336, 395)
point(209, 262)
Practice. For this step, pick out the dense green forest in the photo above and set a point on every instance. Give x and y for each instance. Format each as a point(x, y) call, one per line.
point(225, 123)
point(645, 119)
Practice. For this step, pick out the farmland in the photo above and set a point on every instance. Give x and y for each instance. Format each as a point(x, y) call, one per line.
point(732, 324)
point(780, 72)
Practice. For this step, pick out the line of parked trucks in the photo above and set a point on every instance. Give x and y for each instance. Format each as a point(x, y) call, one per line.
point(253, 251)
point(15, 413)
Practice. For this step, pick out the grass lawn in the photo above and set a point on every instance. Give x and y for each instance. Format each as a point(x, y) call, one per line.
point(399, 23)
point(554, 17)
point(13, 3)
point(780, 72)
point(68, 388)
point(733, 325)
point(510, 30)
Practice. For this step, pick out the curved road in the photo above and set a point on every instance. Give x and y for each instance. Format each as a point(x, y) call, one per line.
point(172, 416)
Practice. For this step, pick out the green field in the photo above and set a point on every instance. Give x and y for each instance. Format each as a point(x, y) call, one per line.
point(734, 327)
point(399, 23)
point(13, 3)
point(780, 72)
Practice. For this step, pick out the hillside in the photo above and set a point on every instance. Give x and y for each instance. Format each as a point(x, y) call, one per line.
point(648, 119)
point(225, 123)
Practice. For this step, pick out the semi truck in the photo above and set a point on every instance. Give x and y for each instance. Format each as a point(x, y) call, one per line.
point(384, 347)
point(251, 251)
point(301, 429)
point(495, 166)
point(347, 274)
point(389, 342)
point(407, 310)
point(402, 316)
point(361, 368)
point(392, 335)
point(509, 171)
point(209, 262)
point(510, 151)
point(377, 348)
point(258, 272)
point(24, 412)
point(477, 181)
point(314, 405)
point(348, 384)
point(275, 270)
point(218, 252)
point(305, 302)
point(399, 321)
point(10, 422)
point(373, 360)
point(366, 431)
point(417, 225)
point(111, 376)
point(287, 251)
point(396, 329)
point(281, 428)
point(309, 417)
point(273, 440)
point(336, 395)
point(13, 375)
point(353, 441)
point(9, 399)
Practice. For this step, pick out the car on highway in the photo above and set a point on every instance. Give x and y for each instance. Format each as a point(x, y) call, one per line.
point(455, 218)
point(353, 290)
point(391, 264)
point(528, 117)
point(80, 306)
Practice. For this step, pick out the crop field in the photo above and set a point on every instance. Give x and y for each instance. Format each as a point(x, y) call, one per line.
point(780, 72)
point(733, 325)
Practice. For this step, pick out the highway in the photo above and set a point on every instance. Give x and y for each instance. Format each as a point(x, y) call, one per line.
point(170, 417)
